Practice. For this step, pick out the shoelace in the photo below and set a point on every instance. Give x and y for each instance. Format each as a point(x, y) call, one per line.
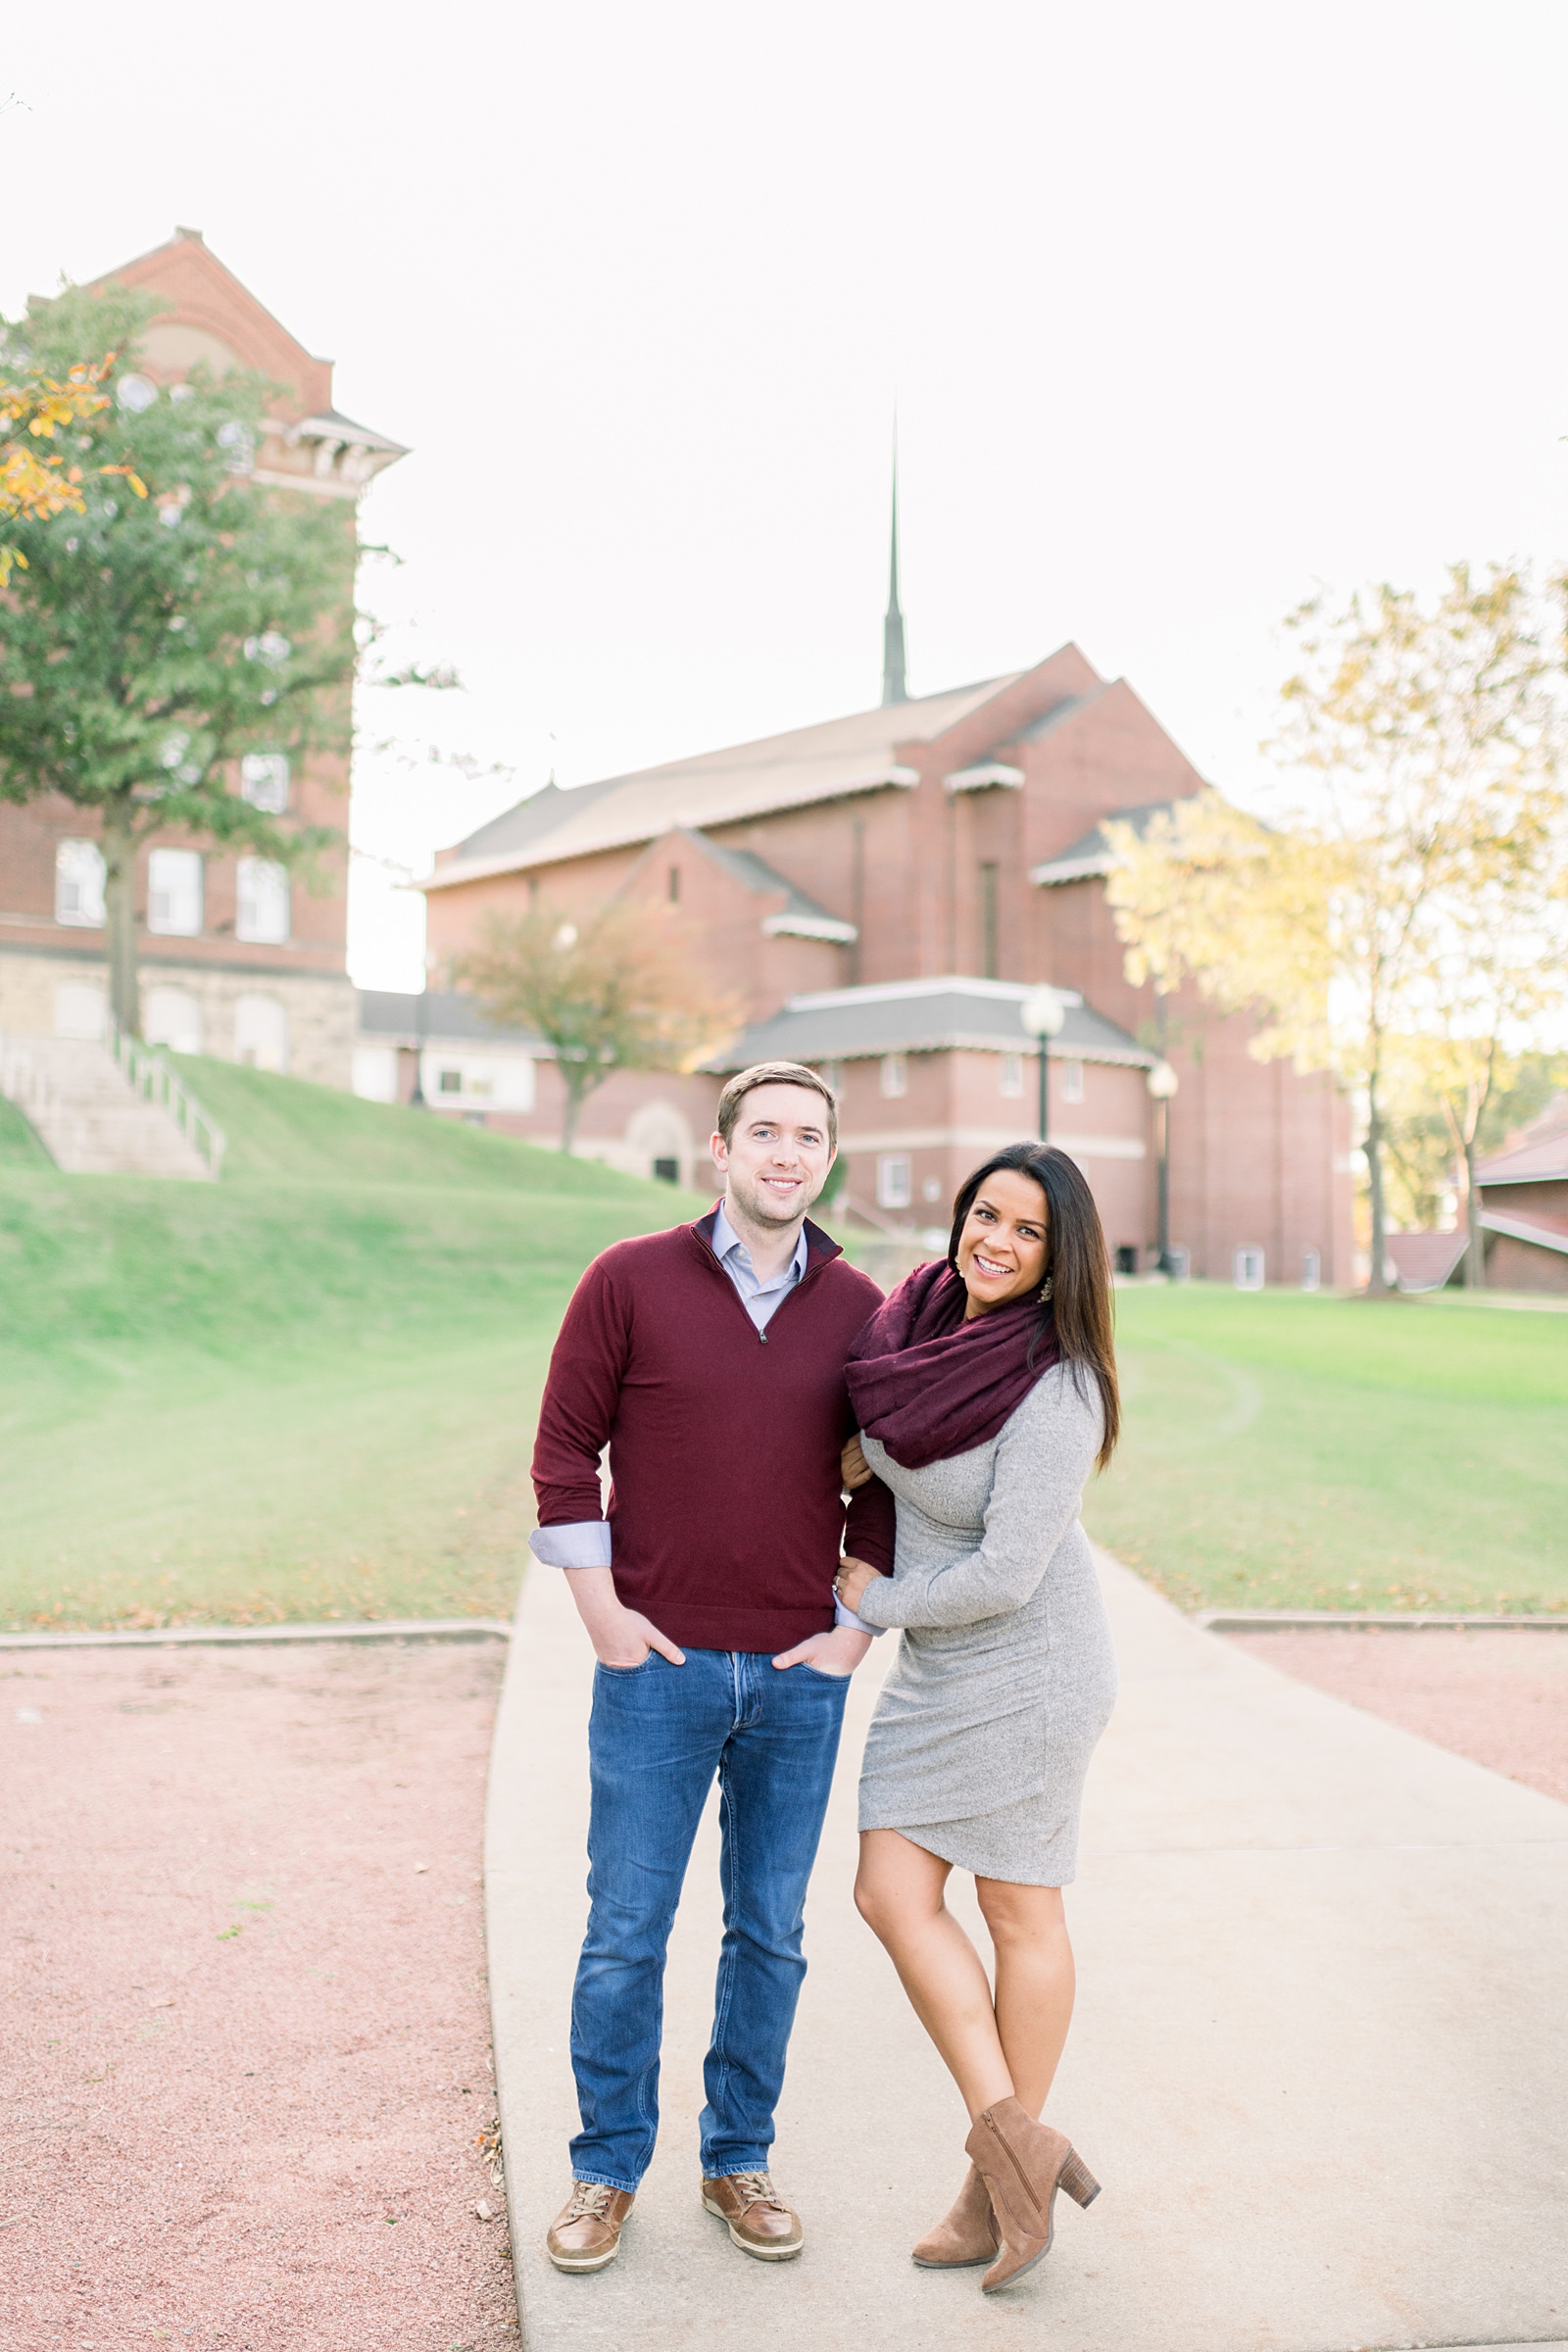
point(589, 2197)
point(756, 2188)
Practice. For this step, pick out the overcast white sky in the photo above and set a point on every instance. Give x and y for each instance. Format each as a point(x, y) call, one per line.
point(1185, 310)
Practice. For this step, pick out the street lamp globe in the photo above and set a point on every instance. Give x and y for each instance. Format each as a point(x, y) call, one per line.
point(1162, 1082)
point(1043, 1013)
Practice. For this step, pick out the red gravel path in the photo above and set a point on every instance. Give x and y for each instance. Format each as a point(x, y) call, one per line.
point(244, 2036)
point(1499, 1698)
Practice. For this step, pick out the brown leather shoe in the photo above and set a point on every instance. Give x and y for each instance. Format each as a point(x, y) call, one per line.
point(585, 2233)
point(967, 2234)
point(1023, 2164)
point(760, 2221)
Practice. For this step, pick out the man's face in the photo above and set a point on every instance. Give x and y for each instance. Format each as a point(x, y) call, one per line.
point(777, 1160)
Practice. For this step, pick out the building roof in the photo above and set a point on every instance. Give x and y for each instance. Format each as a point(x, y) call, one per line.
point(925, 1016)
point(1424, 1261)
point(1537, 1154)
point(1546, 1232)
point(440, 1016)
point(1090, 853)
point(799, 917)
point(823, 762)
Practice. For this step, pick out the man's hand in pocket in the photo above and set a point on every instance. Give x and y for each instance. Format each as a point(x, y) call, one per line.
point(837, 1653)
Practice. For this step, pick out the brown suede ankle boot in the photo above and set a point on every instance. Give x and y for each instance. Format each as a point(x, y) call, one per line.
point(966, 2234)
point(1023, 2164)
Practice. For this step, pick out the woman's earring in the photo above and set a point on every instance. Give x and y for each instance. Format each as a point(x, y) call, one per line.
point(1046, 1287)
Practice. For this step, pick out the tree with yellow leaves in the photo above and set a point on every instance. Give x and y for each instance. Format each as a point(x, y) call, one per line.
point(1429, 839)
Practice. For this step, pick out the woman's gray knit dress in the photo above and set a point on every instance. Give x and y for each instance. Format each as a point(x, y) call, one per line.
point(1006, 1676)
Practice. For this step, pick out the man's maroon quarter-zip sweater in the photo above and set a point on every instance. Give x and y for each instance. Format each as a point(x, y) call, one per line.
point(725, 1513)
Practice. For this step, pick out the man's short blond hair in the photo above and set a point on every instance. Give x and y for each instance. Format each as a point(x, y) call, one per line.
point(774, 1073)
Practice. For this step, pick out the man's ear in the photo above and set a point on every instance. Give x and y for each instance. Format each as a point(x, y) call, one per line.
point(718, 1150)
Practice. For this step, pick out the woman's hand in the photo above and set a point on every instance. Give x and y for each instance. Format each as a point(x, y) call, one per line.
point(854, 1468)
point(853, 1580)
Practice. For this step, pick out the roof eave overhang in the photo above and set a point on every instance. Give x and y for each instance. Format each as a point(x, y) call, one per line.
point(842, 788)
point(1071, 870)
point(811, 926)
point(1519, 1229)
point(983, 777)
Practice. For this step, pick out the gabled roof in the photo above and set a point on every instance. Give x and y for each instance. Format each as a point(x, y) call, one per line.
point(1546, 1232)
point(799, 917)
point(1424, 1261)
point(1537, 1154)
point(1090, 853)
point(823, 762)
point(925, 1016)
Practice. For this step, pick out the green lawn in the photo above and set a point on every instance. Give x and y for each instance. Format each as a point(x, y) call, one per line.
point(1283, 1451)
point(306, 1389)
point(309, 1390)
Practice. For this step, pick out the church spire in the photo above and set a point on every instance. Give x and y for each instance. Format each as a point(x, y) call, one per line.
point(893, 681)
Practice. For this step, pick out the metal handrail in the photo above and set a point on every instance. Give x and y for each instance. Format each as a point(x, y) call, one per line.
point(156, 1082)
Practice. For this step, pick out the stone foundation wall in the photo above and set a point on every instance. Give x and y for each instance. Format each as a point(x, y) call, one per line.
point(320, 1007)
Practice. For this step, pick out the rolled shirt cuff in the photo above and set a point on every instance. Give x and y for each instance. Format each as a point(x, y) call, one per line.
point(844, 1616)
point(584, 1543)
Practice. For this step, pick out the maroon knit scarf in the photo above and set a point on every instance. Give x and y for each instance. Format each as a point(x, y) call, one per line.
point(927, 1384)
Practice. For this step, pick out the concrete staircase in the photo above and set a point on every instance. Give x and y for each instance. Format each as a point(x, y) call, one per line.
point(112, 1109)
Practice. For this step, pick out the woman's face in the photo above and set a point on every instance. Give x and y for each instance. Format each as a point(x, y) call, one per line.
point(1001, 1248)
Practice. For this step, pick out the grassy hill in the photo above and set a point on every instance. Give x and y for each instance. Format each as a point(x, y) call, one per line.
point(307, 1389)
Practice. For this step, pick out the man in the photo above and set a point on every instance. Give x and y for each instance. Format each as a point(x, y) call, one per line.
point(710, 1358)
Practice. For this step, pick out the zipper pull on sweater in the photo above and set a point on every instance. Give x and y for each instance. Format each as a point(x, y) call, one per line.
point(763, 1336)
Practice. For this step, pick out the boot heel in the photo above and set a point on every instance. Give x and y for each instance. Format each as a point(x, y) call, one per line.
point(1078, 2181)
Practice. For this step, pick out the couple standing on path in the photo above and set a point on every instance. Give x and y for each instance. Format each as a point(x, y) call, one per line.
point(743, 1375)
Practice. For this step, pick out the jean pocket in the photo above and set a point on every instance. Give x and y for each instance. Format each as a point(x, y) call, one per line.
point(642, 1664)
point(823, 1676)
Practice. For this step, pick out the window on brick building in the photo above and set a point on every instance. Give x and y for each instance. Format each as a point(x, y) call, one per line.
point(264, 781)
point(264, 909)
point(79, 882)
point(833, 1074)
point(1073, 1082)
point(675, 885)
point(175, 891)
point(989, 944)
point(1247, 1273)
point(1010, 1081)
point(260, 1033)
point(895, 1074)
point(893, 1188)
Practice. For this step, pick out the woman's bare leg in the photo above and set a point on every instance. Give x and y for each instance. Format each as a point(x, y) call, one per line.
point(1035, 1981)
point(899, 1894)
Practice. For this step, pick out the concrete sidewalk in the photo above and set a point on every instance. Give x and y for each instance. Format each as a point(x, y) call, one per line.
point(1320, 2060)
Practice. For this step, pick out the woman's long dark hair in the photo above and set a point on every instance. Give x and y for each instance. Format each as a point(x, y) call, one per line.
point(1078, 1264)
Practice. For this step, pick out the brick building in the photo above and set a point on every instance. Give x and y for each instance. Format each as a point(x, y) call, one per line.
point(879, 892)
point(235, 960)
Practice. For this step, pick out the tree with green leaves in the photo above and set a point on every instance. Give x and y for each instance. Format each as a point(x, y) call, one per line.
point(168, 618)
point(615, 990)
point(1407, 897)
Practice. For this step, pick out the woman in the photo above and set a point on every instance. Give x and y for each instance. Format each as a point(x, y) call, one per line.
point(985, 1390)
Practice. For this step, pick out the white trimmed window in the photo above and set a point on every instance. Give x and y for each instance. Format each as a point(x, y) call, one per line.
point(264, 909)
point(1010, 1080)
point(79, 882)
point(1073, 1082)
point(1248, 1273)
point(893, 1186)
point(264, 781)
point(895, 1074)
point(173, 1018)
point(80, 1009)
point(260, 1033)
point(833, 1075)
point(175, 891)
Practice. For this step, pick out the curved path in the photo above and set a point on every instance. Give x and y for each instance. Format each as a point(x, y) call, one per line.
point(1320, 2060)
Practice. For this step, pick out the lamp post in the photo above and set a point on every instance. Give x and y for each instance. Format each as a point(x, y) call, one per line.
point(1043, 1014)
point(1163, 1083)
point(416, 1100)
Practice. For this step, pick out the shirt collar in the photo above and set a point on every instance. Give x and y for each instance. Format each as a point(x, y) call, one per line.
point(726, 1238)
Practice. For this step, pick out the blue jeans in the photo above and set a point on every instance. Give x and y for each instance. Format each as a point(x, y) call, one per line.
point(657, 1736)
